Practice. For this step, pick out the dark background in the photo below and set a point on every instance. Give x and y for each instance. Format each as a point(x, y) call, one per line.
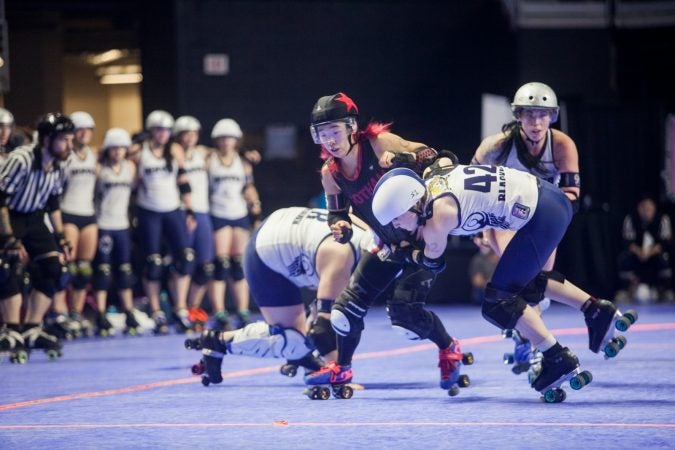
point(421, 64)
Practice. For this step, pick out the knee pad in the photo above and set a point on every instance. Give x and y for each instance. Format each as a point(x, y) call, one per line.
point(236, 268)
point(322, 336)
point(9, 280)
point(46, 275)
point(221, 269)
point(203, 273)
point(502, 308)
point(125, 276)
point(411, 320)
point(185, 265)
point(414, 285)
point(103, 277)
point(266, 341)
point(153, 267)
point(533, 293)
point(346, 316)
point(83, 275)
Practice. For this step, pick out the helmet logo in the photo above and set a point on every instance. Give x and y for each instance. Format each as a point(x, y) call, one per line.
point(347, 101)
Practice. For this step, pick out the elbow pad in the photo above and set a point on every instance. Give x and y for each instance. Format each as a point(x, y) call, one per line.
point(184, 188)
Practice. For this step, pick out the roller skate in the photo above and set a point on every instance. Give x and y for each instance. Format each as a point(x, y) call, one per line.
point(449, 361)
point(331, 375)
point(555, 371)
point(36, 338)
point(244, 318)
point(60, 326)
point(81, 326)
point(310, 362)
point(103, 326)
point(603, 319)
point(182, 322)
point(213, 350)
point(161, 326)
point(198, 318)
point(131, 325)
point(221, 321)
point(12, 344)
point(524, 356)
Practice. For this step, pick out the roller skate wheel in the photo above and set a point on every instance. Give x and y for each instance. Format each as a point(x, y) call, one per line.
point(323, 393)
point(344, 392)
point(621, 342)
point(198, 368)
point(508, 358)
point(53, 354)
point(20, 357)
point(206, 381)
point(453, 391)
point(467, 359)
point(611, 349)
point(463, 381)
point(132, 331)
point(554, 396)
point(507, 334)
point(289, 370)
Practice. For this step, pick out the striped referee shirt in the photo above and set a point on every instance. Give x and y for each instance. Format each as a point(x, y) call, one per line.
point(27, 185)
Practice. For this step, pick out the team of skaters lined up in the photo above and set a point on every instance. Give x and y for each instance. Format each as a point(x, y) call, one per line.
point(526, 168)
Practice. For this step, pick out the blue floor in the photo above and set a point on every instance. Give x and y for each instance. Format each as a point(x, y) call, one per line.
point(125, 392)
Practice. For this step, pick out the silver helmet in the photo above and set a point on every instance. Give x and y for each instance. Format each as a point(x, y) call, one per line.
point(535, 95)
point(226, 128)
point(159, 119)
point(6, 117)
point(82, 119)
point(186, 123)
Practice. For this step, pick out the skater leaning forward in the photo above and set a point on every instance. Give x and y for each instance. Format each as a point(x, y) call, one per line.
point(462, 200)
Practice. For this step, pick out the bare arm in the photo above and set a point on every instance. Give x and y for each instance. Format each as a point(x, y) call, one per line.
point(436, 230)
point(387, 145)
point(488, 150)
point(566, 159)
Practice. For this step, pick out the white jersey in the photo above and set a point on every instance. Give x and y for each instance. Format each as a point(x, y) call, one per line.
point(227, 186)
point(78, 194)
point(195, 165)
point(113, 190)
point(158, 188)
point(546, 169)
point(488, 197)
point(289, 239)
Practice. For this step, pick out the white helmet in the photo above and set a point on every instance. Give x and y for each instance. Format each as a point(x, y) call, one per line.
point(226, 128)
point(395, 193)
point(535, 95)
point(159, 119)
point(116, 137)
point(186, 123)
point(82, 119)
point(6, 117)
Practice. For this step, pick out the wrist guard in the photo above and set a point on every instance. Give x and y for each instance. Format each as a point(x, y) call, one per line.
point(433, 265)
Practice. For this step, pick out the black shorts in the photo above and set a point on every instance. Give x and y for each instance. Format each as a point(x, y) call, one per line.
point(33, 232)
point(79, 221)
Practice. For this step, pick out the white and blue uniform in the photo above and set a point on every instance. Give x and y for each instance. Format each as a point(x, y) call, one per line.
point(280, 257)
point(226, 186)
point(77, 202)
point(503, 198)
point(201, 239)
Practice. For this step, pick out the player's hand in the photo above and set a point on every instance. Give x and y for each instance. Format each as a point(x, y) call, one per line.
point(341, 231)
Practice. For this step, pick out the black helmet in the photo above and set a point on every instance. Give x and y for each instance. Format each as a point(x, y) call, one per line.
point(332, 108)
point(53, 123)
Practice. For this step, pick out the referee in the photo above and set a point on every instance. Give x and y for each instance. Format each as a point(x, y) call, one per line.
point(31, 180)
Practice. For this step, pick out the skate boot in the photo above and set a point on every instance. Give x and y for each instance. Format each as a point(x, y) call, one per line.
point(80, 326)
point(244, 318)
point(603, 319)
point(36, 338)
point(103, 326)
point(12, 344)
point(198, 318)
point(310, 362)
point(555, 370)
point(524, 356)
point(213, 350)
point(449, 361)
point(131, 325)
point(333, 375)
point(161, 326)
point(60, 326)
point(221, 321)
point(182, 322)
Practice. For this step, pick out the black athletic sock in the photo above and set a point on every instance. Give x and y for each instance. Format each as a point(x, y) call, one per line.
point(557, 348)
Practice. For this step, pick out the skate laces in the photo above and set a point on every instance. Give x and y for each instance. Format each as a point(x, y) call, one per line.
point(447, 359)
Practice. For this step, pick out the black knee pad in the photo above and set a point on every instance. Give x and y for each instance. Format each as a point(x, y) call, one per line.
point(154, 267)
point(411, 319)
point(83, 275)
point(103, 277)
point(46, 275)
point(203, 273)
point(346, 316)
point(125, 276)
point(322, 336)
point(236, 268)
point(502, 308)
point(9, 279)
point(186, 263)
point(533, 293)
point(221, 268)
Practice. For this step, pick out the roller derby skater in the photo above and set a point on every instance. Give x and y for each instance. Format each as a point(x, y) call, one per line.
point(36, 338)
point(450, 361)
point(103, 326)
point(288, 252)
point(492, 196)
point(331, 378)
point(12, 345)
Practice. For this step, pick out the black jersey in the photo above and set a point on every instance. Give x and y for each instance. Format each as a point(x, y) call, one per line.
point(359, 192)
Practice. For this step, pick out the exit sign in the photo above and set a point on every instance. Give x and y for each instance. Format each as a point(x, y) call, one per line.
point(216, 64)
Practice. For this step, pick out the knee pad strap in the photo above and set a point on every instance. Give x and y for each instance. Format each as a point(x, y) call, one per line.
point(502, 308)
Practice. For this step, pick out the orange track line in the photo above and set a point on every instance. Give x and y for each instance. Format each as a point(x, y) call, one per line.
point(242, 373)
